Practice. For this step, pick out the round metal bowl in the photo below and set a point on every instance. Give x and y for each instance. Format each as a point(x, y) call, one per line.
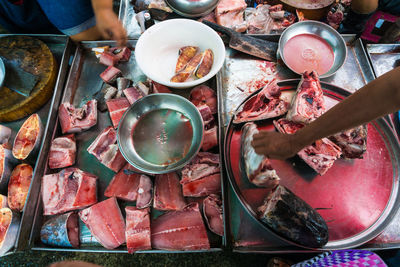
point(153, 103)
point(334, 39)
point(192, 9)
point(2, 72)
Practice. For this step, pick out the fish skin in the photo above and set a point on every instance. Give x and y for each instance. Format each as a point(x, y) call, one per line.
point(257, 168)
point(267, 104)
point(180, 230)
point(290, 216)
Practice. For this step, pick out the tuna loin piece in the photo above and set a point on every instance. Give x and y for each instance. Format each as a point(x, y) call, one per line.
point(105, 149)
point(124, 184)
point(159, 88)
point(145, 192)
point(204, 95)
point(229, 13)
point(61, 231)
point(210, 139)
point(133, 94)
point(62, 152)
point(137, 229)
point(265, 105)
point(308, 103)
point(110, 75)
point(320, 155)
point(70, 189)
point(291, 217)
point(123, 54)
point(212, 209)
point(353, 142)
point(108, 59)
point(201, 177)
point(75, 120)
point(180, 230)
point(117, 107)
point(168, 192)
point(105, 222)
point(257, 168)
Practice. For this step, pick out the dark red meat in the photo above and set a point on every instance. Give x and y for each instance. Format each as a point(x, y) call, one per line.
point(62, 152)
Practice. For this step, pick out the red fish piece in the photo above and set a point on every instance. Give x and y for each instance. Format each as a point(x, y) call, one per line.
point(133, 94)
point(124, 184)
point(75, 120)
point(62, 152)
point(110, 75)
point(210, 139)
point(320, 155)
point(70, 189)
point(206, 115)
point(204, 95)
point(265, 105)
point(123, 54)
point(206, 157)
point(308, 103)
point(27, 140)
point(230, 13)
point(137, 229)
point(193, 172)
point(105, 149)
point(205, 186)
point(180, 230)
point(105, 222)
point(353, 142)
point(18, 186)
point(5, 134)
point(145, 192)
point(159, 88)
point(212, 209)
point(117, 107)
point(108, 59)
point(168, 192)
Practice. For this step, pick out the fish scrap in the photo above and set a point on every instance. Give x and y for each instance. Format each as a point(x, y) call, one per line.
point(75, 120)
point(62, 152)
point(106, 93)
point(212, 210)
point(353, 142)
point(7, 162)
point(138, 229)
point(257, 168)
point(230, 13)
point(61, 231)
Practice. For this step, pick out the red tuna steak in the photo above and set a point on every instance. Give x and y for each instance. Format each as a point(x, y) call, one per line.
point(62, 152)
point(308, 103)
point(212, 210)
point(117, 107)
point(168, 192)
point(110, 75)
point(105, 222)
point(137, 229)
point(27, 140)
point(267, 104)
point(180, 230)
point(145, 192)
point(133, 94)
point(108, 59)
point(70, 189)
point(204, 95)
point(105, 149)
point(124, 184)
point(75, 120)
point(320, 155)
point(18, 186)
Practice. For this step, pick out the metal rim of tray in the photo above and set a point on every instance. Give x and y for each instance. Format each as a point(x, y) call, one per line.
point(388, 212)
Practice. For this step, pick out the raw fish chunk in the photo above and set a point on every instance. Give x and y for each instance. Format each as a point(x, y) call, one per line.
point(210, 139)
point(110, 75)
point(204, 95)
point(75, 120)
point(61, 231)
point(117, 107)
point(62, 152)
point(108, 59)
point(124, 184)
point(133, 94)
point(105, 222)
point(230, 13)
point(145, 192)
point(168, 192)
point(212, 210)
point(137, 229)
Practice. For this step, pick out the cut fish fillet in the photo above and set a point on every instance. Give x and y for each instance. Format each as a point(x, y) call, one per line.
point(180, 230)
point(210, 139)
point(27, 140)
point(75, 120)
point(230, 13)
point(137, 229)
point(117, 107)
point(124, 184)
point(320, 155)
point(18, 186)
point(105, 222)
point(257, 168)
point(70, 189)
point(212, 210)
point(168, 192)
point(308, 103)
point(105, 149)
point(145, 192)
point(62, 152)
point(267, 104)
point(133, 94)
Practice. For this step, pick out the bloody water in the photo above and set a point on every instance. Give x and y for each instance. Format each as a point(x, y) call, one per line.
point(308, 52)
point(162, 136)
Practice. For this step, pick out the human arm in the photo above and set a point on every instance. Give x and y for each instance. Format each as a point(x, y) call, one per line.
point(376, 99)
point(107, 21)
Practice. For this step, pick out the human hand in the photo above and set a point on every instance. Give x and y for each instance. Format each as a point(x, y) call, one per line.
point(276, 145)
point(73, 264)
point(110, 26)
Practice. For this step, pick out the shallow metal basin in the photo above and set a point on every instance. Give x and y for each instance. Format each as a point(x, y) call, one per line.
point(334, 39)
point(165, 128)
point(192, 9)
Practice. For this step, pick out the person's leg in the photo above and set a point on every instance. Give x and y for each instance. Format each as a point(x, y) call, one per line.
point(73, 17)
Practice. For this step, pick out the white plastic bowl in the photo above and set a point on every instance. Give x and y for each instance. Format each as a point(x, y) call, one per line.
point(157, 49)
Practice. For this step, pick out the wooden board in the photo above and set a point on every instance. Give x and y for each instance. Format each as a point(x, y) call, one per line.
point(33, 56)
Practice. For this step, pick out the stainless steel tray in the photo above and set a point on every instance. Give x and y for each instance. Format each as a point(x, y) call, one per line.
point(383, 57)
point(83, 81)
point(241, 76)
point(60, 46)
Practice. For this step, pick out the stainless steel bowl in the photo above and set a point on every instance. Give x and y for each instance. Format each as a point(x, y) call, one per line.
point(192, 9)
point(160, 134)
point(334, 39)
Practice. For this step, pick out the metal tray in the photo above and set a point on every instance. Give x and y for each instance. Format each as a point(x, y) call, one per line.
point(350, 221)
point(60, 46)
point(82, 83)
point(383, 57)
point(241, 76)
